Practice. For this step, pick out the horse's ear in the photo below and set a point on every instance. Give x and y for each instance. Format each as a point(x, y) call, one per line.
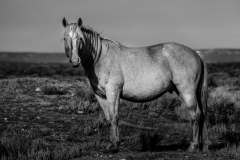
point(64, 22)
point(79, 22)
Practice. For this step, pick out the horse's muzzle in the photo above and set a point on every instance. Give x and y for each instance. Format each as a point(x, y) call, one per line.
point(74, 63)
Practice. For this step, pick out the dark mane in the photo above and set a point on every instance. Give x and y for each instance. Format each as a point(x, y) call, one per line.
point(88, 29)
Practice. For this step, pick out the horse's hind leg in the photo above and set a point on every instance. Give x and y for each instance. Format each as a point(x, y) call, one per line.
point(191, 103)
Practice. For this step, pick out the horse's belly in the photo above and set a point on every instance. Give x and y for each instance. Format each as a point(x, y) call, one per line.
point(146, 89)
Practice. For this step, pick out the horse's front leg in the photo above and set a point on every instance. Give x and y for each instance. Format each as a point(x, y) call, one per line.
point(113, 92)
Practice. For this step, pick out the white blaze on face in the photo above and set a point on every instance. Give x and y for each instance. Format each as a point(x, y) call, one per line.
point(70, 34)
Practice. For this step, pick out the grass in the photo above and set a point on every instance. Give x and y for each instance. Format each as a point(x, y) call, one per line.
point(17, 143)
point(64, 121)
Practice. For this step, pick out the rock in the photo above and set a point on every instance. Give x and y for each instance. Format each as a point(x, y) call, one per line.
point(38, 89)
point(80, 112)
point(61, 107)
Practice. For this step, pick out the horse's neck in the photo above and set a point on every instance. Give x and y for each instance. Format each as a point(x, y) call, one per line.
point(103, 66)
point(91, 52)
point(95, 49)
point(110, 47)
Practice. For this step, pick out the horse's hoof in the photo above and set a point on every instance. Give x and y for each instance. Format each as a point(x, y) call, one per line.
point(205, 148)
point(198, 147)
point(193, 147)
point(111, 148)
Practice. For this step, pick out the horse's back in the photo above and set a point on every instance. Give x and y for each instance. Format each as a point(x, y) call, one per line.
point(166, 58)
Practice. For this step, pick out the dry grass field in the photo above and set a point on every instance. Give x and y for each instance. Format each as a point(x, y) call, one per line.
point(47, 111)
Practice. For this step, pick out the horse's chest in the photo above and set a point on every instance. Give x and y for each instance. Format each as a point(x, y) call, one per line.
point(98, 86)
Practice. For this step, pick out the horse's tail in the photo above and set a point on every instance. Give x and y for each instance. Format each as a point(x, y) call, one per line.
point(202, 93)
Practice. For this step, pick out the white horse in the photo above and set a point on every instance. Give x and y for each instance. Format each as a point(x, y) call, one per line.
point(139, 75)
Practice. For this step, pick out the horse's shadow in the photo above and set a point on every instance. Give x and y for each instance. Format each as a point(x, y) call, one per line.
point(184, 147)
point(153, 143)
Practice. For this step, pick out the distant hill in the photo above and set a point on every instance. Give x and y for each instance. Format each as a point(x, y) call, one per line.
point(211, 55)
point(31, 57)
point(221, 55)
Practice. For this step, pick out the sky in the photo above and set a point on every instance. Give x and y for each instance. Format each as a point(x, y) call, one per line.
point(36, 25)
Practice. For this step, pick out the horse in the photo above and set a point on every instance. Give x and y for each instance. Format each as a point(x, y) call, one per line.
point(139, 74)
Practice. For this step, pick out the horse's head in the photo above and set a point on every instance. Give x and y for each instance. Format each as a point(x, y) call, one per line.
point(73, 41)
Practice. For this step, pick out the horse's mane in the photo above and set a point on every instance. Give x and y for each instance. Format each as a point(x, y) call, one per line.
point(88, 29)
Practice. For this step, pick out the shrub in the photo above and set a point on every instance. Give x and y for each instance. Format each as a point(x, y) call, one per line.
point(221, 112)
point(222, 108)
point(86, 94)
point(149, 142)
point(53, 90)
point(87, 101)
point(19, 144)
point(224, 116)
point(231, 141)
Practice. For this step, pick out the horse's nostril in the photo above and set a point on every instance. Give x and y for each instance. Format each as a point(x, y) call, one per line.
point(74, 60)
